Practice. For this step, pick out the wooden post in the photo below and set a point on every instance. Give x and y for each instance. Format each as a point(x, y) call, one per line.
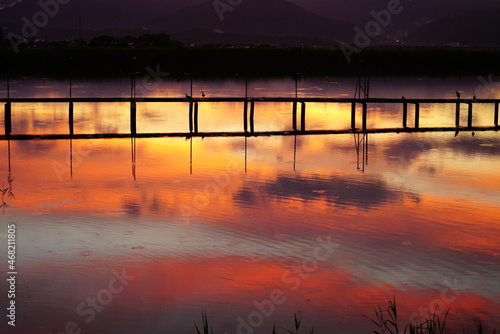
point(353, 115)
point(469, 116)
point(417, 115)
point(8, 118)
point(294, 116)
point(495, 118)
point(303, 117)
point(133, 118)
point(365, 107)
point(457, 115)
point(195, 117)
point(71, 119)
point(245, 116)
point(405, 114)
point(252, 113)
point(190, 116)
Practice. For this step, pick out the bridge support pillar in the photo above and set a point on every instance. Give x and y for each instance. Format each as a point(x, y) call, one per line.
point(195, 117)
point(70, 119)
point(245, 116)
point(8, 118)
point(133, 118)
point(365, 111)
point(353, 115)
point(405, 114)
point(469, 116)
point(294, 115)
point(252, 115)
point(495, 117)
point(190, 116)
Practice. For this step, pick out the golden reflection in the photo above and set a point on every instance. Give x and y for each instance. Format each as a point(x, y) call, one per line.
point(97, 118)
point(233, 215)
point(174, 171)
point(223, 221)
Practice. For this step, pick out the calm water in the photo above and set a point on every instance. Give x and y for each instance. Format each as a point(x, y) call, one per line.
point(140, 236)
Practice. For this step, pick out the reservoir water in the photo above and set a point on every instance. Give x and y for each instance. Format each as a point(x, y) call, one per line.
point(142, 235)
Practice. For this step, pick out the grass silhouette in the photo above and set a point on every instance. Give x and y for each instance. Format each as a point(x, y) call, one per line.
point(385, 322)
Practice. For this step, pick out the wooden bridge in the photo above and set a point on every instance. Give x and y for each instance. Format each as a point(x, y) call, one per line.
point(298, 112)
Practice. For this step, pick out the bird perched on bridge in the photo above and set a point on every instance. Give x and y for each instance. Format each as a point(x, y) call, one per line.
point(202, 94)
point(403, 97)
point(474, 98)
point(187, 96)
point(458, 94)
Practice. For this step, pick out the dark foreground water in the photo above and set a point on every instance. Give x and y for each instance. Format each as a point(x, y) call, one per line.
point(140, 236)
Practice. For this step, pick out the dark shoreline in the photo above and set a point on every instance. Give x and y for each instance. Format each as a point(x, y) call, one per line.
point(255, 61)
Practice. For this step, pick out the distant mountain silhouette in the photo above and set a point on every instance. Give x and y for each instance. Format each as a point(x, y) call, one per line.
point(311, 22)
point(251, 22)
point(414, 14)
point(273, 18)
point(95, 14)
point(208, 37)
point(474, 28)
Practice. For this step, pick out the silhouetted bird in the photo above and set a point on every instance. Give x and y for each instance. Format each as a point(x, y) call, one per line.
point(187, 96)
point(474, 98)
point(403, 97)
point(202, 94)
point(473, 133)
point(458, 94)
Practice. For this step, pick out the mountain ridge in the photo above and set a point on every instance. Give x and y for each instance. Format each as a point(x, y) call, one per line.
point(473, 28)
point(277, 22)
point(256, 17)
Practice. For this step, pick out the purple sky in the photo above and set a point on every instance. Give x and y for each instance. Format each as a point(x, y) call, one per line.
point(98, 14)
point(339, 9)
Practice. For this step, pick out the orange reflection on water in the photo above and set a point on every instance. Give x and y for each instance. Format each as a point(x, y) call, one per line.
point(235, 286)
point(97, 118)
